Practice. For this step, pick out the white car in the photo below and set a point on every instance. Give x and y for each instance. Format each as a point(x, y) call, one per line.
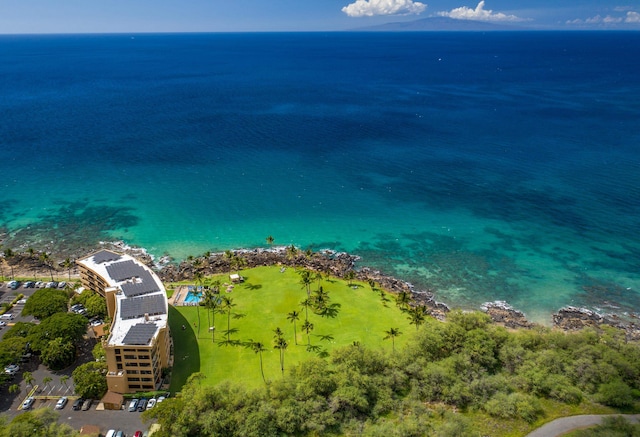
point(12, 369)
point(61, 403)
point(151, 403)
point(3, 323)
point(28, 403)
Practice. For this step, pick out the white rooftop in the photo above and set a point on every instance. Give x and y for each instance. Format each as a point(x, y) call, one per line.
point(107, 264)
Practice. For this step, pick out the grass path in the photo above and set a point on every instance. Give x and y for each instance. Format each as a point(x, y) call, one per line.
point(264, 300)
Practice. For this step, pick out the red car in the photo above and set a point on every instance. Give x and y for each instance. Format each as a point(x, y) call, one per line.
point(138, 434)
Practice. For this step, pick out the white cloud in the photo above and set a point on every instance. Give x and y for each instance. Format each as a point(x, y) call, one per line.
point(369, 8)
point(632, 17)
point(478, 14)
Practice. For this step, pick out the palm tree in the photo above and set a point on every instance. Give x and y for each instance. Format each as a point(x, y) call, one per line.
point(282, 345)
point(350, 276)
point(31, 252)
point(14, 388)
point(198, 277)
point(270, 240)
point(402, 300)
point(292, 252)
point(293, 316)
point(372, 284)
point(258, 348)
point(208, 297)
point(417, 315)
point(67, 264)
point(28, 378)
point(320, 300)
point(214, 306)
point(64, 379)
point(308, 327)
point(46, 259)
point(239, 262)
point(306, 304)
point(228, 255)
point(46, 380)
point(392, 334)
point(306, 280)
point(318, 276)
point(227, 305)
point(277, 333)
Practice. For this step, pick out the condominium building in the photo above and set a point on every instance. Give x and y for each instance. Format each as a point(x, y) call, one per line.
point(138, 345)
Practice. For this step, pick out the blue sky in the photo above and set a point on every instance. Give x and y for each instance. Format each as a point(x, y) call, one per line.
point(82, 16)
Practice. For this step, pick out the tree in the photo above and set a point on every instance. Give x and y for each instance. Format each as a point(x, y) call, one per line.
point(58, 354)
point(90, 380)
point(293, 316)
point(41, 422)
point(70, 327)
point(11, 350)
point(46, 260)
point(257, 347)
point(392, 334)
point(402, 300)
point(98, 352)
point(227, 305)
point(270, 240)
point(350, 276)
point(281, 344)
point(67, 264)
point(46, 302)
point(308, 327)
point(198, 277)
point(306, 280)
point(95, 305)
point(14, 388)
point(228, 255)
point(64, 379)
point(306, 304)
point(46, 380)
point(28, 378)
point(417, 315)
point(292, 252)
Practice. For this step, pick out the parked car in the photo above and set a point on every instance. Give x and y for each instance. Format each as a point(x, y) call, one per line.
point(39, 284)
point(142, 405)
point(29, 284)
point(11, 369)
point(77, 404)
point(120, 434)
point(62, 284)
point(7, 316)
point(138, 434)
point(133, 405)
point(28, 403)
point(110, 433)
point(13, 284)
point(151, 403)
point(61, 403)
point(87, 404)
point(2, 324)
point(160, 399)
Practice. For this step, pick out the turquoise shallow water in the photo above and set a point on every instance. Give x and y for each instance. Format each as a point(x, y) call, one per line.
point(482, 166)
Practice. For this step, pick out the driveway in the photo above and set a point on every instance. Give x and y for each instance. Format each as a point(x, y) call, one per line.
point(563, 425)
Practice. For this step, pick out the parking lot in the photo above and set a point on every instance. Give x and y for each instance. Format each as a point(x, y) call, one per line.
point(10, 403)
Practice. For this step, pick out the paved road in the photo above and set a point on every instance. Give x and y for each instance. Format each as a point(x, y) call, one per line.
point(561, 426)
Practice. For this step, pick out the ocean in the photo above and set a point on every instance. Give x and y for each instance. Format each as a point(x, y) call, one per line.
point(483, 166)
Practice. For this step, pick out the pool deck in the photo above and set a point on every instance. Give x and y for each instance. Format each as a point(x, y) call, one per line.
point(181, 291)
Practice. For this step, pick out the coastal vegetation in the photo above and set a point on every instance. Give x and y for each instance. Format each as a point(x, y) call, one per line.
point(467, 376)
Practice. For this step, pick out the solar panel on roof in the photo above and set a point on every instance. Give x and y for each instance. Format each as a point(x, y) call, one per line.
point(104, 256)
point(139, 306)
point(146, 285)
point(125, 270)
point(140, 334)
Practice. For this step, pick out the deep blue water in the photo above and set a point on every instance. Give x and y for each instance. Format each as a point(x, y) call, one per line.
point(484, 166)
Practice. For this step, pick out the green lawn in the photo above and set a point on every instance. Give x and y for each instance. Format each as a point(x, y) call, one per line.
point(265, 298)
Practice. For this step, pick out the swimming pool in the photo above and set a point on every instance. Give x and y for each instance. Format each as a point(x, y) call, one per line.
point(192, 296)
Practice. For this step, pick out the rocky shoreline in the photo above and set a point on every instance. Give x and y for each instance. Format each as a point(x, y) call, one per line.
point(338, 264)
